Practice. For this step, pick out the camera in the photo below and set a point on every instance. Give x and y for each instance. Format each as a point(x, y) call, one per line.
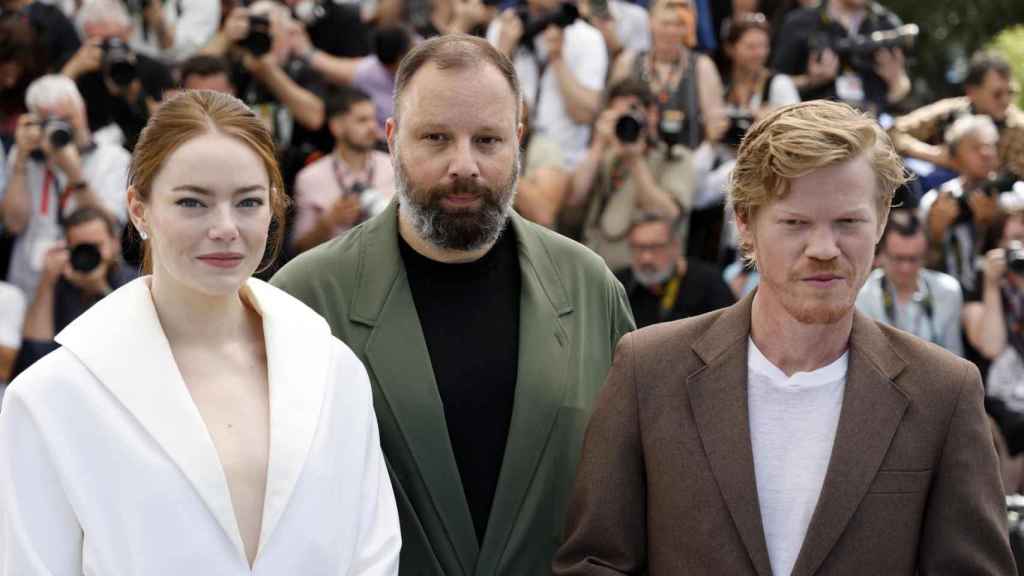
point(119, 62)
point(1015, 258)
point(630, 127)
point(85, 257)
point(739, 122)
point(258, 41)
point(58, 132)
point(861, 47)
point(563, 17)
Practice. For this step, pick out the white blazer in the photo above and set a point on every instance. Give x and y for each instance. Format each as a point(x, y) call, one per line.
point(107, 469)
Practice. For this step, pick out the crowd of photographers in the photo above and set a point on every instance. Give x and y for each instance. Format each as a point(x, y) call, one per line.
point(634, 112)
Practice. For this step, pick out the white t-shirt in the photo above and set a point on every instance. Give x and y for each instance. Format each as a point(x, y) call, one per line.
point(194, 21)
point(584, 51)
point(793, 422)
point(105, 168)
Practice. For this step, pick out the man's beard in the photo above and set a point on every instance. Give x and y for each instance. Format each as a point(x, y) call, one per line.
point(455, 229)
point(650, 276)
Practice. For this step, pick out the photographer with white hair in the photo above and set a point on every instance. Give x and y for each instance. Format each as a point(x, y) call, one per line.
point(119, 85)
point(54, 168)
point(959, 212)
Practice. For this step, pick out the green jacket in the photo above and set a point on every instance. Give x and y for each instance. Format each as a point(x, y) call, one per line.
point(572, 314)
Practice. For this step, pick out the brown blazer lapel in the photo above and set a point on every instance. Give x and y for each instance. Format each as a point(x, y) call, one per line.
point(873, 407)
point(718, 396)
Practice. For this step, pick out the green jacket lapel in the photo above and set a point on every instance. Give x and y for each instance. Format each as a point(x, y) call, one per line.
point(397, 355)
point(540, 389)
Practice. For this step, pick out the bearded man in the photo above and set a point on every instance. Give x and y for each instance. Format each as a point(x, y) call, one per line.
point(486, 337)
point(790, 434)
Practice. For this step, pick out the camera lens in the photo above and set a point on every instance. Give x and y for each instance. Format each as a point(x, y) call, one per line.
point(119, 62)
point(85, 257)
point(628, 128)
point(59, 133)
point(258, 41)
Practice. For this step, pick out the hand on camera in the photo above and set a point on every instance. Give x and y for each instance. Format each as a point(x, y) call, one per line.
point(28, 135)
point(983, 206)
point(994, 266)
point(88, 59)
point(55, 263)
point(236, 27)
point(890, 65)
point(944, 211)
point(93, 282)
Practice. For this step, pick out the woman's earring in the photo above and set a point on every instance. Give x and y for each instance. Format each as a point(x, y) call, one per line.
point(143, 235)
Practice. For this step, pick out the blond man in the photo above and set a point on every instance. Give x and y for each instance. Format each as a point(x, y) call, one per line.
point(790, 434)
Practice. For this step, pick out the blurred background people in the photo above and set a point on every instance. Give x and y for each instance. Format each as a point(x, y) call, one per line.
point(810, 48)
point(352, 183)
point(172, 31)
point(205, 72)
point(56, 167)
point(119, 85)
point(686, 83)
point(628, 170)
point(902, 293)
point(77, 272)
point(661, 283)
point(623, 25)
point(561, 62)
point(958, 213)
point(989, 89)
point(12, 315)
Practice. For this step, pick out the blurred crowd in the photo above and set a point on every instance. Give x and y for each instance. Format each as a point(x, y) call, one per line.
point(634, 114)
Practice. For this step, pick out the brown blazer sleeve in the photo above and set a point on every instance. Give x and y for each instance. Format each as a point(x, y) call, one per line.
point(965, 528)
point(605, 530)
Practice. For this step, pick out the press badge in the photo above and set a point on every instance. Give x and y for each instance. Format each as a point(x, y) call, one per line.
point(849, 88)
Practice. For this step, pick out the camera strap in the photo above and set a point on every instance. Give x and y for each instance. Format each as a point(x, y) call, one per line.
point(927, 303)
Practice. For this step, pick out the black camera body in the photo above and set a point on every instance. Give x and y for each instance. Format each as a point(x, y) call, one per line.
point(1015, 258)
point(258, 41)
point(85, 257)
point(119, 62)
point(630, 127)
point(562, 17)
point(739, 122)
point(859, 49)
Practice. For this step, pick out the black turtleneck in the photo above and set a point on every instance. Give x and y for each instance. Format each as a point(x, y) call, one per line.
point(469, 314)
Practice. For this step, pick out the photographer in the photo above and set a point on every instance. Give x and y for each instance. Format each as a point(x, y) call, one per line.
point(623, 25)
point(627, 171)
point(56, 34)
point(77, 272)
point(205, 72)
point(813, 47)
point(989, 92)
point(280, 87)
point(54, 168)
point(350, 184)
point(901, 293)
point(561, 62)
point(118, 84)
point(958, 213)
point(994, 325)
point(691, 109)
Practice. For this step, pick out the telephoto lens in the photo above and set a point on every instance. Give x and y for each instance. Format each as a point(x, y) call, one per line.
point(258, 41)
point(119, 62)
point(58, 132)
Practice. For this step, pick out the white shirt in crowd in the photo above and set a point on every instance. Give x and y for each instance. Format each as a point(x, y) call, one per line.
point(13, 306)
point(793, 422)
point(932, 314)
point(632, 25)
point(583, 50)
point(105, 168)
point(195, 22)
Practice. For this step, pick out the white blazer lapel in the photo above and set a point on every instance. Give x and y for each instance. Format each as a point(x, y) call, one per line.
point(121, 342)
point(299, 355)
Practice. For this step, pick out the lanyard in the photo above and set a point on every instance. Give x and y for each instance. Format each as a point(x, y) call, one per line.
point(345, 190)
point(50, 179)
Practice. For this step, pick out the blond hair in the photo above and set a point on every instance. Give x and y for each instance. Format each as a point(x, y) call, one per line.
point(798, 139)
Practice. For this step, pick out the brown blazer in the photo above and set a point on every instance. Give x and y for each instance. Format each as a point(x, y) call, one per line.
point(666, 484)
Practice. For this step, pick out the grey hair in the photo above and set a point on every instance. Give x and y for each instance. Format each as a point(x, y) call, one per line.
point(973, 125)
